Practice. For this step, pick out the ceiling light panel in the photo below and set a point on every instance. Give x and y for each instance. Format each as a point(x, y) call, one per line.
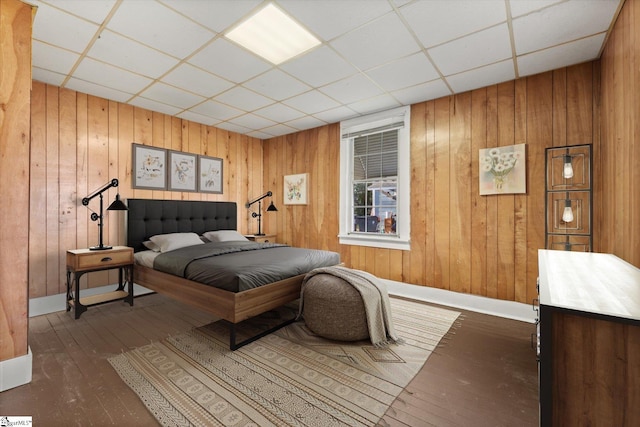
point(273, 35)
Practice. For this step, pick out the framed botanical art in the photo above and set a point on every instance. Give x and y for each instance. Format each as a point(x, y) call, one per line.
point(210, 174)
point(149, 167)
point(295, 189)
point(182, 171)
point(503, 170)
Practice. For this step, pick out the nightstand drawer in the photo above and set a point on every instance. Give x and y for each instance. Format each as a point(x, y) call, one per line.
point(83, 259)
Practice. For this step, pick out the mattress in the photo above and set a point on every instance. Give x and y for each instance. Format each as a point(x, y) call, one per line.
point(239, 266)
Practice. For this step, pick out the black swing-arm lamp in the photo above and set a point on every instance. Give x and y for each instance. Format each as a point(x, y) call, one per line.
point(117, 205)
point(258, 199)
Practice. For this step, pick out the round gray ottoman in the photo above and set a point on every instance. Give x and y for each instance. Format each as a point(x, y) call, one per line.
point(333, 309)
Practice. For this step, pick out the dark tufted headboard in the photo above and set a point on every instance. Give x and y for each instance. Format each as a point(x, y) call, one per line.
point(147, 218)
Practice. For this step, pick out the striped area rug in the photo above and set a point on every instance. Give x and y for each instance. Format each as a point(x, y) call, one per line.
point(288, 378)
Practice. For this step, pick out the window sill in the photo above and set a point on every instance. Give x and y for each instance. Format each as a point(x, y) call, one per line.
point(375, 241)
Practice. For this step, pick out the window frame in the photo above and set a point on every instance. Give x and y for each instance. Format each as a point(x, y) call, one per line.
point(401, 240)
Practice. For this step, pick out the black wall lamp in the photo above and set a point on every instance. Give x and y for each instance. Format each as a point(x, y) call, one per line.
point(117, 205)
point(258, 199)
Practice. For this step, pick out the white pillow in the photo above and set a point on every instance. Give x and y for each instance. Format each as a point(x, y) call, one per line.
point(223, 236)
point(151, 246)
point(171, 241)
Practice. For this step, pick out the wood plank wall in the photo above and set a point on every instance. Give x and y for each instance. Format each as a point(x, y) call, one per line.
point(79, 143)
point(619, 192)
point(15, 81)
point(460, 241)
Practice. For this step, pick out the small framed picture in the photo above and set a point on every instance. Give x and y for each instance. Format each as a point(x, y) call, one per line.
point(210, 174)
point(182, 171)
point(149, 167)
point(295, 189)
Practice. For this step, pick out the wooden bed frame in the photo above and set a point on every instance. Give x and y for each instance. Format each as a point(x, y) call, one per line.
point(147, 218)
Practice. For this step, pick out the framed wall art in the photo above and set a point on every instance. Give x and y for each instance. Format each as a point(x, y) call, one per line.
point(503, 170)
point(149, 167)
point(210, 174)
point(295, 189)
point(182, 171)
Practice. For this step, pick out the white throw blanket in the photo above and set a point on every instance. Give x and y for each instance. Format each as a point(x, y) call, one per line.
point(374, 296)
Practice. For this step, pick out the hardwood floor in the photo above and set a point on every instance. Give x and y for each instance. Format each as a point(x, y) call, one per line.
point(483, 373)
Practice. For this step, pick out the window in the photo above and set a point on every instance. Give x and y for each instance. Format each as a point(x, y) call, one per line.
point(375, 181)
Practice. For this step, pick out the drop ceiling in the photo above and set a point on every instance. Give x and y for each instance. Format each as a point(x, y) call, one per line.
point(171, 56)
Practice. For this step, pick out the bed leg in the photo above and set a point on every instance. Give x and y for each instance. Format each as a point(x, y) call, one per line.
point(232, 334)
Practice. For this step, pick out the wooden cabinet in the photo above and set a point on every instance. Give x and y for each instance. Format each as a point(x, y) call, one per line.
point(265, 238)
point(81, 261)
point(589, 340)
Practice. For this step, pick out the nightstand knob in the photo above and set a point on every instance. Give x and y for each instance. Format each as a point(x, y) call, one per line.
point(106, 259)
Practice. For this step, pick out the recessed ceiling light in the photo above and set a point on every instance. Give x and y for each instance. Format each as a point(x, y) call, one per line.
point(273, 35)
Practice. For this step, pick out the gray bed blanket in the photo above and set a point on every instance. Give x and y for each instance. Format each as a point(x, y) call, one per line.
point(239, 266)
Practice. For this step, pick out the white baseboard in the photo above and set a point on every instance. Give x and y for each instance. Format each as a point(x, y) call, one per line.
point(495, 307)
point(53, 303)
point(16, 372)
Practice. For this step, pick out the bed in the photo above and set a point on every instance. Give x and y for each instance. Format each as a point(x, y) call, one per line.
point(147, 218)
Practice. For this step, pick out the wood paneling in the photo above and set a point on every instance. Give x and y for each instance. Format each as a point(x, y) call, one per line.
point(460, 241)
point(15, 80)
point(81, 142)
point(616, 192)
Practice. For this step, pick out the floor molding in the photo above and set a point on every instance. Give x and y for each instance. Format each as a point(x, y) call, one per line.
point(16, 372)
point(479, 304)
point(58, 302)
point(492, 306)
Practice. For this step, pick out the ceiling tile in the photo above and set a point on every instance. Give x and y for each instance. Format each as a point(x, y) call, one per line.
point(59, 28)
point(263, 135)
point(217, 15)
point(53, 58)
point(94, 10)
point(404, 72)
point(171, 95)
point(306, 122)
point(438, 21)
point(152, 105)
point(243, 99)
point(329, 18)
point(475, 50)
point(107, 75)
point(252, 121)
point(277, 85)
point(97, 90)
point(522, 7)
point(279, 129)
point(369, 46)
point(560, 25)
point(377, 103)
point(335, 115)
point(49, 77)
point(560, 56)
point(198, 118)
point(195, 80)
point(231, 127)
point(319, 67)
point(122, 52)
point(352, 89)
point(216, 110)
point(311, 102)
point(279, 113)
point(483, 76)
point(161, 28)
point(431, 90)
point(375, 54)
point(229, 61)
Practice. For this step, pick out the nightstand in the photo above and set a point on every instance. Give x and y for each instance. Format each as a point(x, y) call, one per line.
point(265, 238)
point(81, 261)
